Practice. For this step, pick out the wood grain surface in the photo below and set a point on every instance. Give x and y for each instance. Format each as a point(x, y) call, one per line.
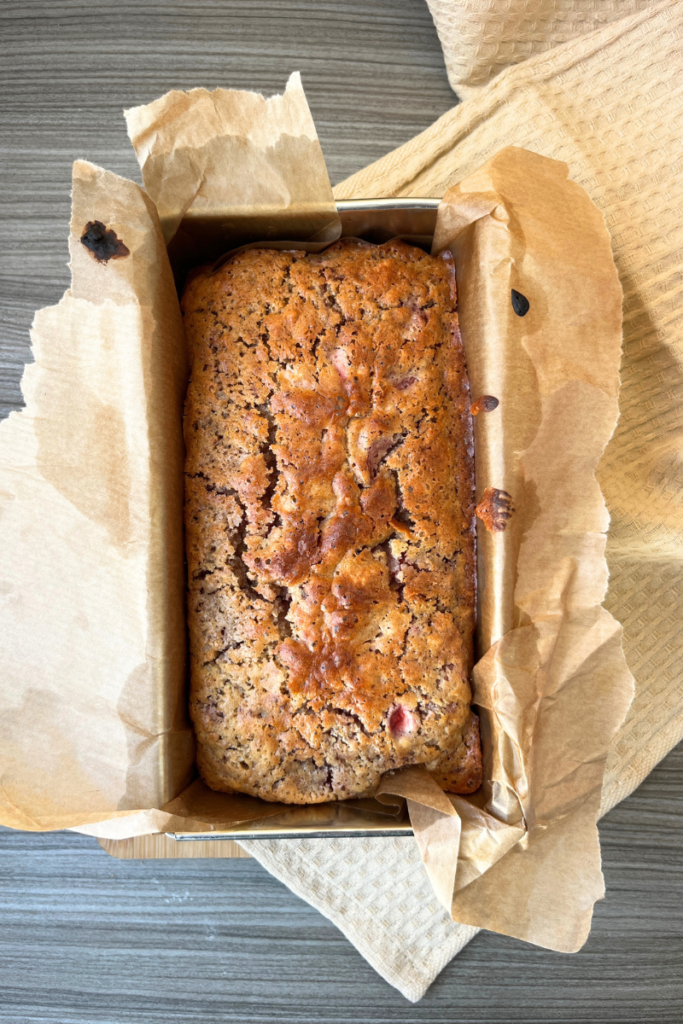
point(89, 939)
point(86, 938)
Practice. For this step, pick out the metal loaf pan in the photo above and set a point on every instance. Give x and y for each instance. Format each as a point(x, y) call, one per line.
point(374, 220)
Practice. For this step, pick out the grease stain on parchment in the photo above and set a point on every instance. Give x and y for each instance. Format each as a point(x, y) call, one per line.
point(86, 459)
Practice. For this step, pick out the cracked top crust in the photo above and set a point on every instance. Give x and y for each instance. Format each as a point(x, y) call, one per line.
point(329, 501)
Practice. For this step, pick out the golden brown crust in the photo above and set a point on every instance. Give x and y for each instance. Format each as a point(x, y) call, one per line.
point(328, 519)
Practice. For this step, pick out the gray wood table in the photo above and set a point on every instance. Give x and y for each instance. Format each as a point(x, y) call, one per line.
point(89, 939)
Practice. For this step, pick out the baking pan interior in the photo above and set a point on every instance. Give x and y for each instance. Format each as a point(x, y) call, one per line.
point(374, 220)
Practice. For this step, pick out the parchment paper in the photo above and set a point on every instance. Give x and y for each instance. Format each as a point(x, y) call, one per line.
point(92, 623)
point(230, 164)
point(553, 681)
point(91, 498)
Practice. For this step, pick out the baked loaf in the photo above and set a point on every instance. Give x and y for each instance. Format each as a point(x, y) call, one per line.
point(329, 493)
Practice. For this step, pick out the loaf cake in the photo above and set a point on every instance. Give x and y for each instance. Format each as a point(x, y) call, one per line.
point(329, 503)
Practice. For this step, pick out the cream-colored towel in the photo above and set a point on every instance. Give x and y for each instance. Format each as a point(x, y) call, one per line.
point(482, 37)
point(610, 104)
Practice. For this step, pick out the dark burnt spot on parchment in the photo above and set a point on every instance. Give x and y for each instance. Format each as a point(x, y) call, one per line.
point(520, 303)
point(495, 509)
point(486, 403)
point(102, 242)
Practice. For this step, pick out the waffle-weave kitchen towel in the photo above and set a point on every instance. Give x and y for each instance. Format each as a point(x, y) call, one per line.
point(482, 37)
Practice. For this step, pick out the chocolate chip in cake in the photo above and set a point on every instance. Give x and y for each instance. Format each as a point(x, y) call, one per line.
point(486, 403)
